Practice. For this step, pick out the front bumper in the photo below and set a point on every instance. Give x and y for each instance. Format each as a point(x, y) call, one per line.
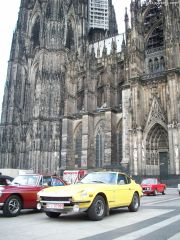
point(63, 207)
point(147, 191)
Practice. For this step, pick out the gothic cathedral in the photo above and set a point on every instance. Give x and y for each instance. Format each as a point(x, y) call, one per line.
point(78, 95)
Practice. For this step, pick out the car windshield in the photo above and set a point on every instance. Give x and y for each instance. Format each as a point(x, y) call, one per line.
point(28, 180)
point(149, 181)
point(100, 177)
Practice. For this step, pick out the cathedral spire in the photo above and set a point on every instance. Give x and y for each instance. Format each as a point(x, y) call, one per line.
point(126, 19)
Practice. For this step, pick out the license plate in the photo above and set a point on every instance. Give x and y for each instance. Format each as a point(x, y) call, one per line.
point(55, 205)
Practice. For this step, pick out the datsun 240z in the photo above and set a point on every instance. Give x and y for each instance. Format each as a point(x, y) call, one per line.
point(95, 194)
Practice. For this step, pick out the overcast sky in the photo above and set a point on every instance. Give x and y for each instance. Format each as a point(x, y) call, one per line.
point(8, 18)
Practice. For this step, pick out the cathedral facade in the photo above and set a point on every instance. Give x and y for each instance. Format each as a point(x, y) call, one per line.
point(78, 95)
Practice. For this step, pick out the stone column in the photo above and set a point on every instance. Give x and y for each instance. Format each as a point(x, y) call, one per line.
point(177, 149)
point(108, 96)
point(139, 149)
point(126, 122)
point(85, 141)
point(67, 144)
point(107, 139)
point(135, 153)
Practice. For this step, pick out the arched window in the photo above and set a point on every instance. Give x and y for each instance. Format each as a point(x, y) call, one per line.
point(78, 145)
point(80, 94)
point(36, 33)
point(80, 100)
point(162, 63)
point(48, 10)
point(156, 64)
point(153, 27)
point(99, 148)
point(100, 96)
point(150, 65)
point(61, 13)
point(156, 39)
point(70, 35)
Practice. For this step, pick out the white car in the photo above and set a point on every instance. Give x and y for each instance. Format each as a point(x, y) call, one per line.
point(178, 189)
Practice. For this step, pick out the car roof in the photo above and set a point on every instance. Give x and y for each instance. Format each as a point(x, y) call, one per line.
point(150, 178)
point(6, 177)
point(38, 174)
point(108, 172)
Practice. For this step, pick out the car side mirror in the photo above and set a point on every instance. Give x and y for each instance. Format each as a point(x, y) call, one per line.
point(45, 184)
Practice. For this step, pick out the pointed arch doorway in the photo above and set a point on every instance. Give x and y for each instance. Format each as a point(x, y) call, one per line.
point(157, 151)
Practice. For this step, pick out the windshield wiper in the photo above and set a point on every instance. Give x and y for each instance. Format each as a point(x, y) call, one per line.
point(98, 181)
point(15, 183)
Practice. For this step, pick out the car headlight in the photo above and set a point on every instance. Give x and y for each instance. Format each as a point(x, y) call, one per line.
point(84, 193)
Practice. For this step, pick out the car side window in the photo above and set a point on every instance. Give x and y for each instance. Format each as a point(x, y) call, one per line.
point(47, 181)
point(57, 182)
point(128, 180)
point(121, 179)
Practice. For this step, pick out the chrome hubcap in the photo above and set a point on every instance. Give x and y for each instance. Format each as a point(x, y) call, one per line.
point(136, 201)
point(99, 208)
point(14, 206)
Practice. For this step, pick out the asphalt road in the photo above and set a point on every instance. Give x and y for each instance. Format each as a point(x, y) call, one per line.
point(158, 218)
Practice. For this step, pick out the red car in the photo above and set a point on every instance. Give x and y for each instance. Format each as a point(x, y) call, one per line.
point(152, 186)
point(22, 193)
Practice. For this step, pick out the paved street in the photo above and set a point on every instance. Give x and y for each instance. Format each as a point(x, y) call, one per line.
point(158, 218)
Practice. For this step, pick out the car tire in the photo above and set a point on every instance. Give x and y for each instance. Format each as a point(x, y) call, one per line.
point(12, 206)
point(97, 210)
point(155, 192)
point(163, 192)
point(135, 203)
point(53, 214)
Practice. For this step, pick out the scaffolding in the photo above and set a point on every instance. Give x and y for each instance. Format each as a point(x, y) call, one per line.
point(99, 14)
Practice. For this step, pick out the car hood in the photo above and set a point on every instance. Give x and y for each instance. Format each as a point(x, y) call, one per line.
point(73, 189)
point(147, 185)
point(10, 188)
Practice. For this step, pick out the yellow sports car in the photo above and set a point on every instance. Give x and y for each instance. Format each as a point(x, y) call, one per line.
point(96, 194)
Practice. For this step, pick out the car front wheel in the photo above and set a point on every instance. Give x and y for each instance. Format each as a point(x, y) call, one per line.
point(53, 214)
point(97, 209)
point(135, 203)
point(155, 192)
point(12, 206)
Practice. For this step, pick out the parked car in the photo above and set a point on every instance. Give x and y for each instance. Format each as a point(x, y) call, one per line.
point(73, 176)
point(152, 186)
point(22, 193)
point(96, 193)
point(5, 180)
point(178, 188)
